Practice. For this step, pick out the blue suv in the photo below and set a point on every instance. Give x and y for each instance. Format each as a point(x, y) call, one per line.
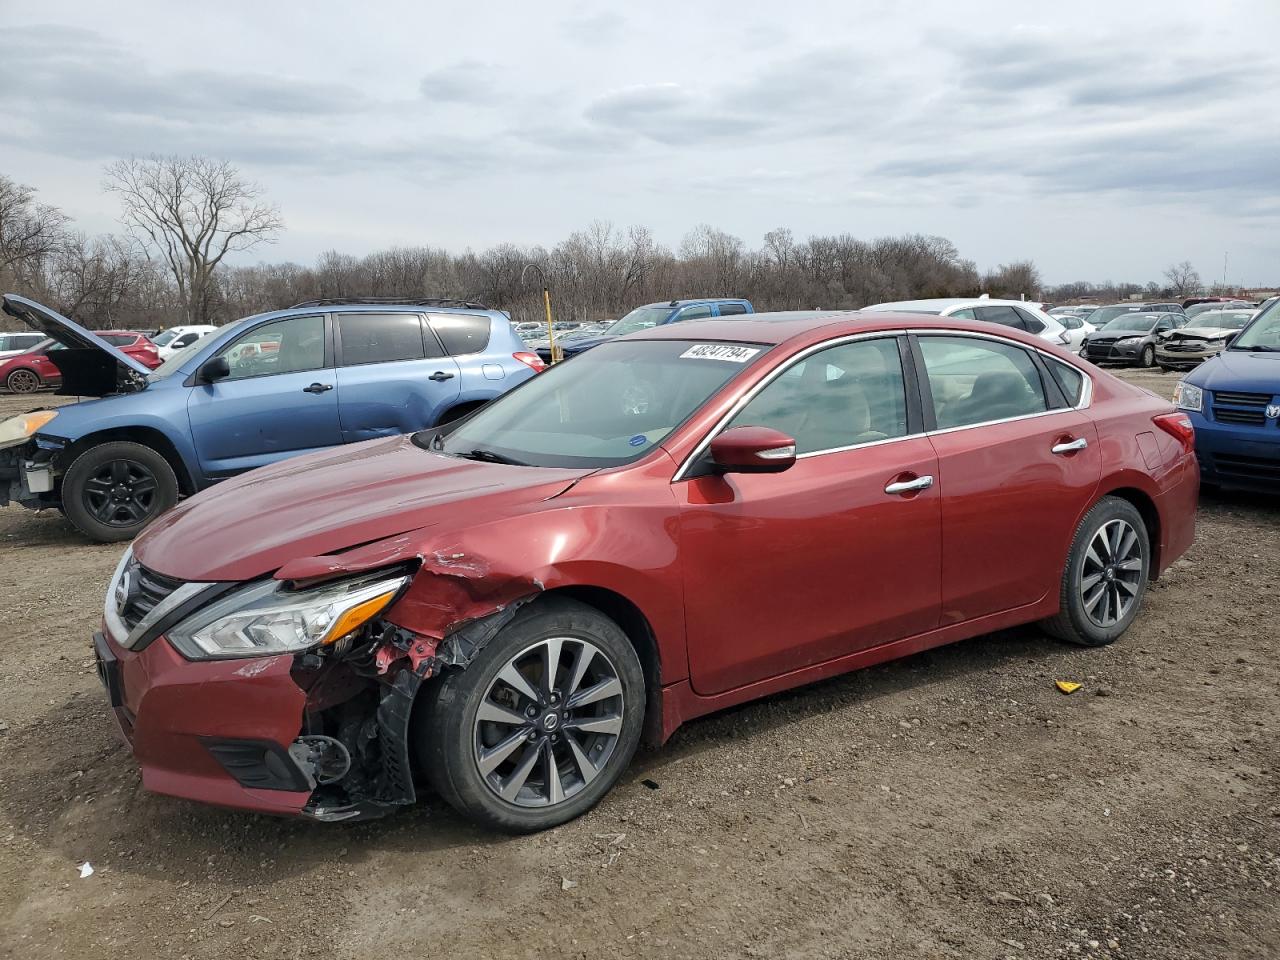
point(1234, 402)
point(655, 315)
point(263, 388)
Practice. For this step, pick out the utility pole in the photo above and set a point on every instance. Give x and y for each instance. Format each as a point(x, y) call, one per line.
point(556, 353)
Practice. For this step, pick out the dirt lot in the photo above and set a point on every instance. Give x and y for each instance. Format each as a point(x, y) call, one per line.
point(954, 804)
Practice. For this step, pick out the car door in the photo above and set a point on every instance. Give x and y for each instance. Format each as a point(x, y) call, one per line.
point(279, 399)
point(824, 559)
point(1017, 466)
point(393, 376)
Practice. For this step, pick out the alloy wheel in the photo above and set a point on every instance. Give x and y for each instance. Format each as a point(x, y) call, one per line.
point(23, 381)
point(1112, 573)
point(549, 722)
point(121, 493)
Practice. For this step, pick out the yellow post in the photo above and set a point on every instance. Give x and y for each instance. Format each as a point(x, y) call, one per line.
point(556, 353)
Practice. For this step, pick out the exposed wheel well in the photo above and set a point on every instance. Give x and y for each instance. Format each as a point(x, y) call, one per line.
point(1150, 519)
point(458, 411)
point(146, 436)
point(636, 626)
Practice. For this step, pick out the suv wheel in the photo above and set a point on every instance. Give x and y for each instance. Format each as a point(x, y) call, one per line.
point(113, 490)
point(1106, 575)
point(540, 725)
point(23, 380)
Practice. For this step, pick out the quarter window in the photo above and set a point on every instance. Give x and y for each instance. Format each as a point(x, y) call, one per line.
point(282, 346)
point(461, 333)
point(1029, 323)
point(694, 313)
point(731, 309)
point(1069, 379)
point(842, 396)
point(975, 381)
point(379, 337)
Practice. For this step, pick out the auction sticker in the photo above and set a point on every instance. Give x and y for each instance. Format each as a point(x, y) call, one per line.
point(720, 351)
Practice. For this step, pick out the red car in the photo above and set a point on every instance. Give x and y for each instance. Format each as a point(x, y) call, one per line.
point(669, 524)
point(36, 368)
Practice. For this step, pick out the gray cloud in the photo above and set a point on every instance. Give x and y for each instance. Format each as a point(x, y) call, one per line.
point(466, 82)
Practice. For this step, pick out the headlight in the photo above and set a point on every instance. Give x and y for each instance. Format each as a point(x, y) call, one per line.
point(265, 618)
point(1187, 396)
point(1127, 341)
point(16, 429)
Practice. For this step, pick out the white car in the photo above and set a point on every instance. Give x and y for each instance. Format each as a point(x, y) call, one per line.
point(12, 344)
point(168, 342)
point(1019, 314)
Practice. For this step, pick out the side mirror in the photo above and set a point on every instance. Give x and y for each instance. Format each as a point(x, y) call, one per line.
point(753, 450)
point(215, 369)
point(1232, 339)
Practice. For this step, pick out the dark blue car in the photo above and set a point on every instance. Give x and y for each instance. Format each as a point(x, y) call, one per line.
point(258, 390)
point(1234, 402)
point(655, 315)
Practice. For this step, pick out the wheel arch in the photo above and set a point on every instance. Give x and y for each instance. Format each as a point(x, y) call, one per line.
point(631, 619)
point(146, 436)
point(1146, 507)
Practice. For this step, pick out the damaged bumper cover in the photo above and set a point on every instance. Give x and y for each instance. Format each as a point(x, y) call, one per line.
point(324, 735)
point(28, 473)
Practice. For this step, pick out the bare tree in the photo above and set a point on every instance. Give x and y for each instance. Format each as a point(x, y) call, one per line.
point(192, 211)
point(29, 231)
point(1183, 279)
point(1013, 280)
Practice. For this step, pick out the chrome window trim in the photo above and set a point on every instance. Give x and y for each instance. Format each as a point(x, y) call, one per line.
point(747, 397)
point(1086, 392)
point(111, 615)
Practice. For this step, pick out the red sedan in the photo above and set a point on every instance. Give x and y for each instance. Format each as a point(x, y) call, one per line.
point(672, 523)
point(33, 369)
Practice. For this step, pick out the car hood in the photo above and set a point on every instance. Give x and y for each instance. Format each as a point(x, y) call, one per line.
point(1239, 370)
point(1121, 333)
point(1203, 333)
point(331, 501)
point(90, 366)
point(586, 343)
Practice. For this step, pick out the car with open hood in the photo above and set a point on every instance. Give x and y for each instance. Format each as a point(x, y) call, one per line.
point(40, 365)
point(678, 521)
point(1203, 336)
point(1233, 400)
point(258, 390)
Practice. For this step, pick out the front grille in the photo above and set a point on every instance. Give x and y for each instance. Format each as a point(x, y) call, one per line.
point(1254, 418)
point(146, 589)
point(1243, 399)
point(1254, 468)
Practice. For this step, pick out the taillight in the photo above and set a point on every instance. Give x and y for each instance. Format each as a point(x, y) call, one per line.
point(531, 360)
point(1178, 426)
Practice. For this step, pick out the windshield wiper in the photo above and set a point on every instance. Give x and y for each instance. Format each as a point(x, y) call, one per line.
point(1259, 348)
point(490, 456)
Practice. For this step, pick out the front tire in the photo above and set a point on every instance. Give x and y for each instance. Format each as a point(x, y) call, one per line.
point(519, 745)
point(23, 380)
point(113, 490)
point(1106, 575)
point(1147, 358)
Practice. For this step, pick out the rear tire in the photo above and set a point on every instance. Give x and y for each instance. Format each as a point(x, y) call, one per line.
point(23, 380)
point(1106, 576)
point(113, 490)
point(472, 760)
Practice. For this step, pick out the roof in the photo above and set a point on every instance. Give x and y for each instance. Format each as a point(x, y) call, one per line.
point(944, 303)
point(685, 303)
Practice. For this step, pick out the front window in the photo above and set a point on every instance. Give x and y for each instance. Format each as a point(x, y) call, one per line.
point(1134, 323)
point(609, 406)
point(641, 318)
point(1263, 334)
point(291, 345)
point(1221, 320)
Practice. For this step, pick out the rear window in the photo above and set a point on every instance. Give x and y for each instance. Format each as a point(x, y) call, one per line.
point(730, 309)
point(379, 337)
point(119, 339)
point(461, 333)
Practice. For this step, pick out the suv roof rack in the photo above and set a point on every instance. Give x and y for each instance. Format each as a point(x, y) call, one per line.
point(399, 301)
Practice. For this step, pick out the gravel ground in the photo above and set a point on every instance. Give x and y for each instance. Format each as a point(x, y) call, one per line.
point(953, 804)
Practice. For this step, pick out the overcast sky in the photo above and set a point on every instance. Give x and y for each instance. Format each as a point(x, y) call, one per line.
point(1103, 140)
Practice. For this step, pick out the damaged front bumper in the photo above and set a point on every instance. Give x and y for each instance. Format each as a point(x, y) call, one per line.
point(28, 474)
point(318, 735)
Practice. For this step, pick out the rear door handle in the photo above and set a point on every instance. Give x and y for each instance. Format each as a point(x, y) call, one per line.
point(440, 376)
point(1069, 446)
point(910, 486)
point(318, 388)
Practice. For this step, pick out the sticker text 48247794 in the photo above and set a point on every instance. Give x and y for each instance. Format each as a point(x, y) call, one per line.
point(720, 351)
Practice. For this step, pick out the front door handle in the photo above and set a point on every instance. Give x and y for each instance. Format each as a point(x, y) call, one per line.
point(318, 388)
point(1069, 446)
point(440, 376)
point(910, 486)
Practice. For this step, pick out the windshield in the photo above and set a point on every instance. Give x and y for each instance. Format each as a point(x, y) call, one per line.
point(1221, 319)
point(606, 407)
point(161, 339)
point(1104, 315)
point(1133, 321)
point(1263, 334)
point(641, 318)
point(185, 354)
